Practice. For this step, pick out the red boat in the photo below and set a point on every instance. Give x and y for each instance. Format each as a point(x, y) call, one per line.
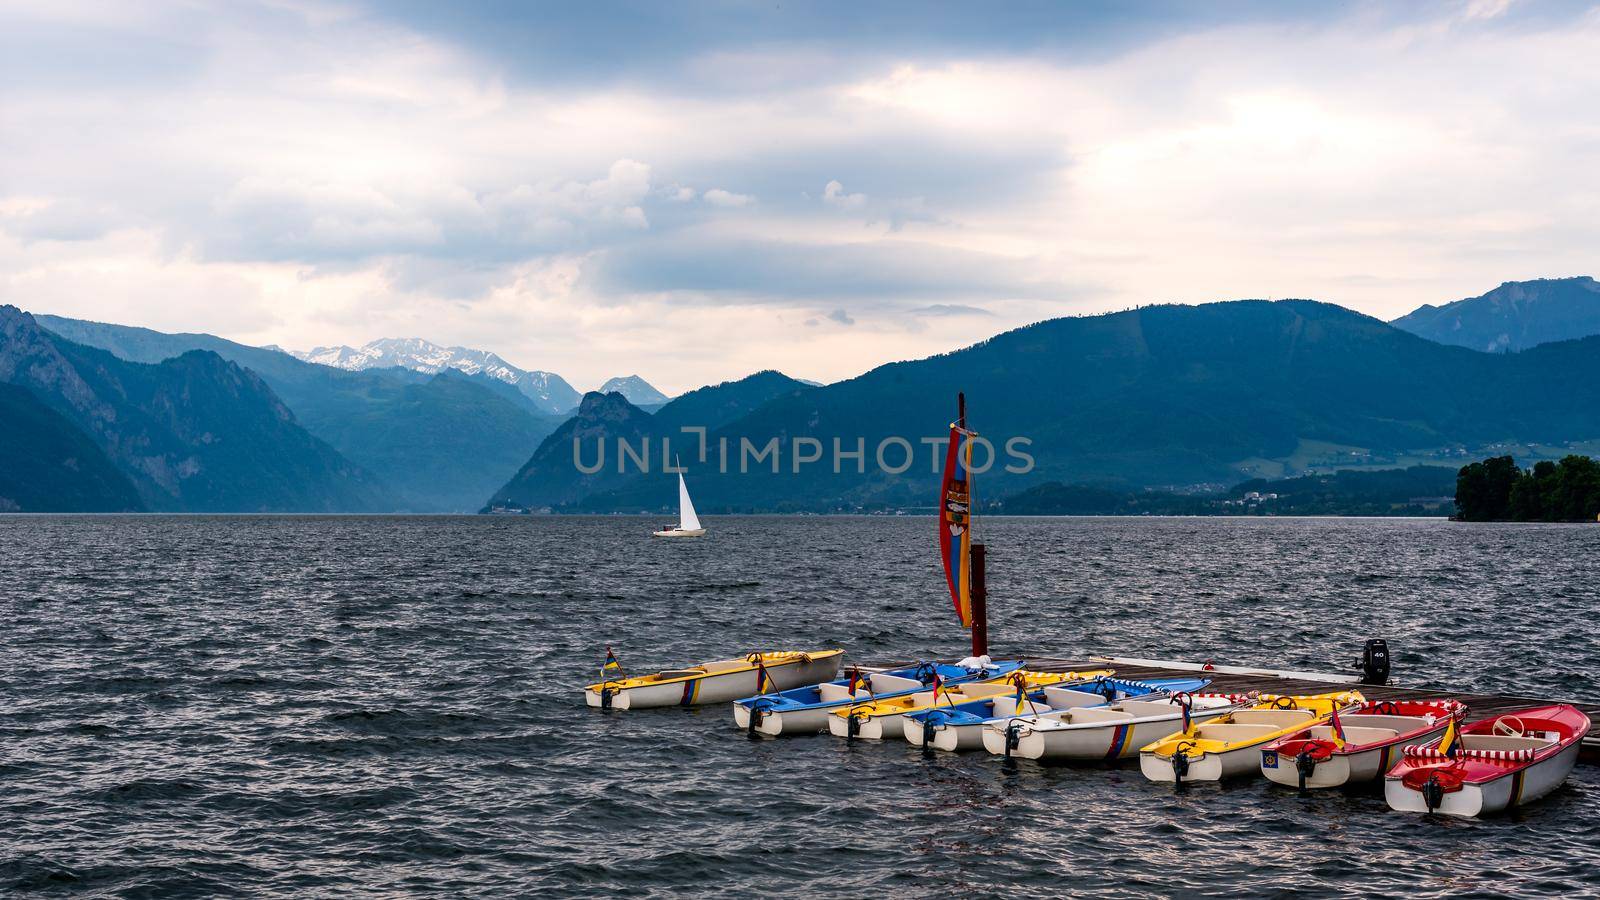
point(1373, 737)
point(1493, 764)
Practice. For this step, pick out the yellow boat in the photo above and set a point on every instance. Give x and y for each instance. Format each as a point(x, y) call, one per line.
point(1231, 745)
point(880, 720)
point(721, 681)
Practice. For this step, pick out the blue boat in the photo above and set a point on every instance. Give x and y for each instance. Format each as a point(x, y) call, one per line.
point(805, 710)
point(960, 726)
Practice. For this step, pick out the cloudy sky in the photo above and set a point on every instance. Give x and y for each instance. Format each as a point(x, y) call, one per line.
point(697, 192)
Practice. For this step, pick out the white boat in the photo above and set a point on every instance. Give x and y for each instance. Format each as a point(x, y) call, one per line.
point(688, 523)
point(960, 727)
point(1110, 732)
point(1364, 746)
point(722, 681)
point(1230, 745)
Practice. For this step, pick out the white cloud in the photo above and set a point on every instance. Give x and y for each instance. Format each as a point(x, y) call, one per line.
point(833, 194)
point(720, 197)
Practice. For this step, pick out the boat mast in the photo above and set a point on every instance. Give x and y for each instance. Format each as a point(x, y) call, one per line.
point(980, 591)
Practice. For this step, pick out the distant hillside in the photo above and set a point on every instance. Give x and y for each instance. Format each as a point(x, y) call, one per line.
point(1514, 316)
point(713, 406)
point(551, 479)
point(408, 435)
point(1163, 395)
point(48, 465)
point(635, 390)
point(194, 433)
point(1414, 491)
point(440, 449)
point(549, 392)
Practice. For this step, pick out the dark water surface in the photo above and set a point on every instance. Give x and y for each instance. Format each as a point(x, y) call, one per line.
point(353, 706)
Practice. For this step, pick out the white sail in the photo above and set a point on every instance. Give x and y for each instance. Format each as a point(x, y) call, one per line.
point(687, 520)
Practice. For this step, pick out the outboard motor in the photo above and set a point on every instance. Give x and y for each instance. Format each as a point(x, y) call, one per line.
point(1432, 793)
point(1013, 736)
point(1305, 765)
point(1375, 662)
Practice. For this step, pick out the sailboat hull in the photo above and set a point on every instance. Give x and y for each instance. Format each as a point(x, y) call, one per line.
point(680, 532)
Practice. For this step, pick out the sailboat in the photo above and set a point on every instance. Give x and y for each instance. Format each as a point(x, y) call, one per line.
point(688, 523)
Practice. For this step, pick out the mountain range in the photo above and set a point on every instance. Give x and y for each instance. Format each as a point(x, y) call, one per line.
point(113, 417)
point(550, 393)
point(439, 443)
point(1162, 395)
point(1514, 316)
point(192, 433)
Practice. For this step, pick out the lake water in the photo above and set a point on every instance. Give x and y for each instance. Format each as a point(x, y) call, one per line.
point(378, 706)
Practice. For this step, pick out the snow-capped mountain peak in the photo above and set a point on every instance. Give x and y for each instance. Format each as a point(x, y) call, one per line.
point(635, 390)
point(549, 391)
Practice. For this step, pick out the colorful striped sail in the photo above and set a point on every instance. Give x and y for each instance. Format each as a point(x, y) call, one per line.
point(955, 523)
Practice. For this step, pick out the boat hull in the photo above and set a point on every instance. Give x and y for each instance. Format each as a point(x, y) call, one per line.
point(1341, 769)
point(1514, 788)
point(875, 728)
point(1108, 741)
point(776, 723)
point(720, 687)
point(679, 533)
point(955, 738)
point(1209, 766)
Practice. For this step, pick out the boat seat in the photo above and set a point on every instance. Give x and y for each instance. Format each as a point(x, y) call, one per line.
point(1066, 698)
point(889, 684)
point(980, 691)
point(1234, 732)
point(834, 693)
point(725, 665)
point(1089, 714)
point(1356, 734)
point(1500, 742)
point(1277, 718)
point(1142, 708)
point(1399, 724)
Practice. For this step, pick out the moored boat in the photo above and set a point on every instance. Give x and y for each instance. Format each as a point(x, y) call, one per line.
point(961, 726)
point(884, 718)
point(716, 682)
point(805, 710)
point(1490, 765)
point(1230, 744)
point(1357, 747)
point(1112, 732)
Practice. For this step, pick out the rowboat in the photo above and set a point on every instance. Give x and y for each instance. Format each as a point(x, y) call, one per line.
point(1230, 744)
point(960, 727)
point(805, 710)
point(715, 682)
point(884, 718)
point(1372, 740)
point(1111, 732)
point(1501, 762)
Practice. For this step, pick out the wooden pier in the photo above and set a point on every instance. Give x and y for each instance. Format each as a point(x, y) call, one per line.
point(1479, 706)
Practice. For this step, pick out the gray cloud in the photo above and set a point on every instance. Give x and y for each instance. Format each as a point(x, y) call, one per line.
point(888, 272)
